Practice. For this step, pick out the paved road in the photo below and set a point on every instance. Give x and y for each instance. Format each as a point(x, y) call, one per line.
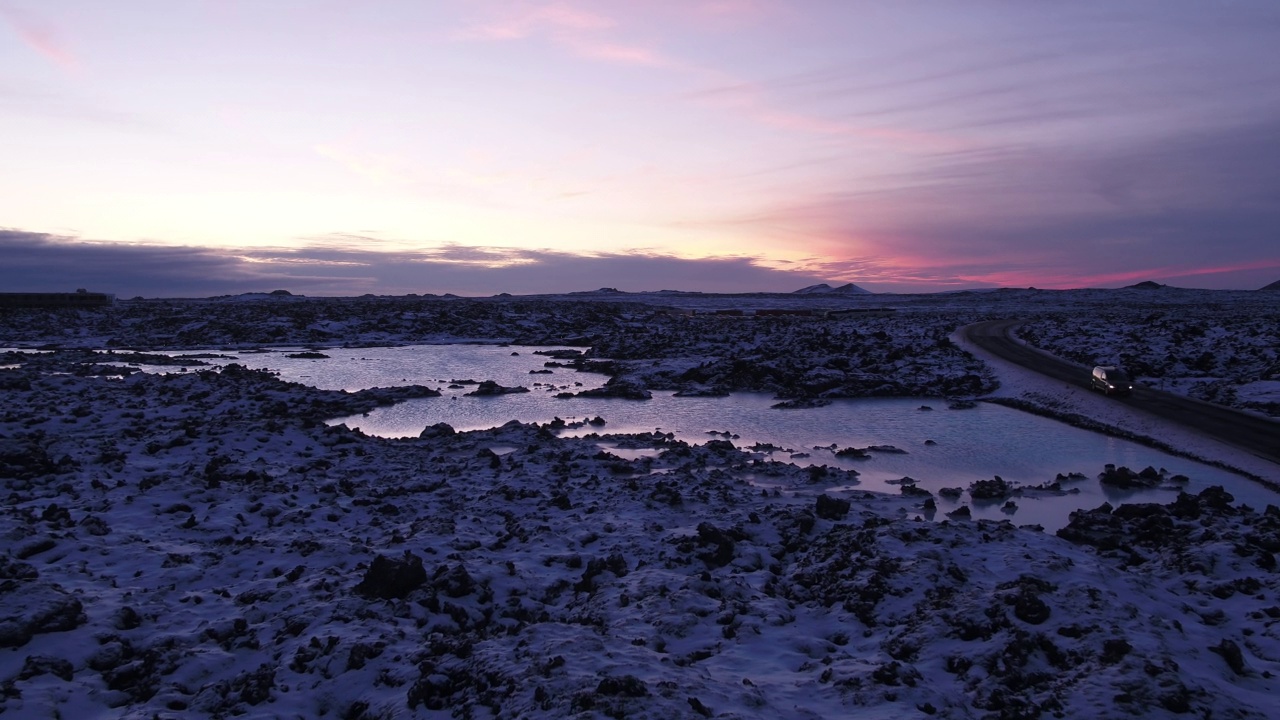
point(1257, 435)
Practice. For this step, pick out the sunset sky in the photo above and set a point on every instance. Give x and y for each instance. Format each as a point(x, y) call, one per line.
point(203, 147)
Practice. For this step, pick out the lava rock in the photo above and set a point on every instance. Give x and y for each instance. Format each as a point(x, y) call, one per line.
point(721, 545)
point(1029, 608)
point(995, 489)
point(618, 387)
point(35, 610)
point(624, 686)
point(1216, 498)
point(390, 578)
point(255, 686)
point(44, 665)
point(455, 581)
point(126, 618)
point(1114, 650)
point(10, 570)
point(829, 508)
point(489, 387)
point(1123, 477)
point(440, 429)
point(1232, 654)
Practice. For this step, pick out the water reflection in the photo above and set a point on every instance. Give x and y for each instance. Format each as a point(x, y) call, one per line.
point(938, 448)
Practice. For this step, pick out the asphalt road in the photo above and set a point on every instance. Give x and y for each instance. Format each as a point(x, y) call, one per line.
point(1256, 435)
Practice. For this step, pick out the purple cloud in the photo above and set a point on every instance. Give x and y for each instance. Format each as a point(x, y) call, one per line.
point(38, 262)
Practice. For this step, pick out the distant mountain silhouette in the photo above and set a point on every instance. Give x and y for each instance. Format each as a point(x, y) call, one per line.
point(601, 291)
point(825, 289)
point(1273, 287)
point(1146, 285)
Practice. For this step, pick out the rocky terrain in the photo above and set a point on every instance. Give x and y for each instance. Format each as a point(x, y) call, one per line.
point(1222, 352)
point(1215, 345)
point(202, 544)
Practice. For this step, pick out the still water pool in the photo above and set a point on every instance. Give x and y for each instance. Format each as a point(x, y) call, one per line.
point(943, 447)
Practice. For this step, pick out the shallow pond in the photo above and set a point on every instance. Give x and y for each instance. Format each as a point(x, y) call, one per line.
point(942, 447)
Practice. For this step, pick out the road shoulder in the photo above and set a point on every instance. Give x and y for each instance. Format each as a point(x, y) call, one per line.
point(1057, 398)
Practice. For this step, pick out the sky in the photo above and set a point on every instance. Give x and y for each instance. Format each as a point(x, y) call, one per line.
point(332, 147)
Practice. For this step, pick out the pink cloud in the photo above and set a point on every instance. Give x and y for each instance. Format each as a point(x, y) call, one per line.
point(1062, 279)
point(1266, 264)
point(725, 14)
point(901, 137)
point(40, 37)
point(1168, 272)
point(553, 17)
point(751, 101)
point(622, 54)
point(583, 32)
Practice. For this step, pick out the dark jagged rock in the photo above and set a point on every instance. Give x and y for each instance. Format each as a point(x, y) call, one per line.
point(489, 387)
point(440, 429)
point(829, 508)
point(24, 458)
point(1216, 497)
point(614, 563)
point(126, 618)
point(995, 489)
point(1029, 608)
point(255, 686)
point(1140, 511)
point(44, 665)
point(35, 608)
point(720, 546)
point(1231, 654)
point(696, 705)
point(618, 387)
point(1150, 526)
point(913, 490)
point(1114, 650)
point(625, 686)
point(454, 581)
point(1123, 477)
point(392, 578)
point(10, 570)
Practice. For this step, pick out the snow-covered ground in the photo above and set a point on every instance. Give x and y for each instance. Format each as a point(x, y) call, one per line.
point(203, 544)
point(1216, 345)
point(1223, 349)
point(1057, 398)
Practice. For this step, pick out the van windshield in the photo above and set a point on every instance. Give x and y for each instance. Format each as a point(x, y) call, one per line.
point(1117, 376)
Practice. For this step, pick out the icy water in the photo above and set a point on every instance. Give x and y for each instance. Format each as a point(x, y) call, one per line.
point(966, 445)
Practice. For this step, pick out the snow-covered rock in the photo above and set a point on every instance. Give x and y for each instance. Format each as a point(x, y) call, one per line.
point(202, 543)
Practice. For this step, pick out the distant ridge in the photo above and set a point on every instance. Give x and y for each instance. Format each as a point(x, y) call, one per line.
point(1273, 287)
point(601, 291)
point(825, 289)
point(1146, 285)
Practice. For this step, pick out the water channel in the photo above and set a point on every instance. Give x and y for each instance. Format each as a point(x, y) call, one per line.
point(941, 447)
